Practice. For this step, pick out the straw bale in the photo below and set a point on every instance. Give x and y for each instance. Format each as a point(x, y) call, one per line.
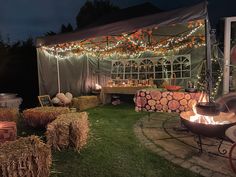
point(68, 130)
point(9, 114)
point(25, 157)
point(39, 117)
point(85, 102)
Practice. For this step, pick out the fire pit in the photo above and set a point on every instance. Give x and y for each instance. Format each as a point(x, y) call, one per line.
point(210, 126)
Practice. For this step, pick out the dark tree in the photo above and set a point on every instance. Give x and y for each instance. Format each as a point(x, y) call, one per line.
point(66, 29)
point(50, 33)
point(18, 70)
point(63, 28)
point(93, 10)
point(69, 28)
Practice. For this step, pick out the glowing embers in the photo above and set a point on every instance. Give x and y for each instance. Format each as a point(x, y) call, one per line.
point(222, 118)
point(210, 125)
point(205, 111)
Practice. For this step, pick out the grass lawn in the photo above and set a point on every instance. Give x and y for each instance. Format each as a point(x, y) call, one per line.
point(112, 150)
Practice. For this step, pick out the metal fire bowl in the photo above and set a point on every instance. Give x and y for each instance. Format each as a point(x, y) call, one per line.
point(208, 108)
point(208, 130)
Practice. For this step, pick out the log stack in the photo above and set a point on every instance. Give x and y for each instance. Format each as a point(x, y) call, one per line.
point(39, 117)
point(155, 100)
point(68, 130)
point(25, 157)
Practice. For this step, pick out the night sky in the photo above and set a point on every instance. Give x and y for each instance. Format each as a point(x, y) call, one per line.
point(20, 19)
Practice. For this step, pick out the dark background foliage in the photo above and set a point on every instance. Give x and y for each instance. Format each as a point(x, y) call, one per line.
point(18, 61)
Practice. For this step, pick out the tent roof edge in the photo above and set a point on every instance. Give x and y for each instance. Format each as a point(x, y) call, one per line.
point(181, 15)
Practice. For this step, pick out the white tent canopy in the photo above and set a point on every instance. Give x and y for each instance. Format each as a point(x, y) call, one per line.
point(79, 73)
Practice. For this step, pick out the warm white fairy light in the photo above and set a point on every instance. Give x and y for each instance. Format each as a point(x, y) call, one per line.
point(142, 47)
point(219, 80)
point(217, 84)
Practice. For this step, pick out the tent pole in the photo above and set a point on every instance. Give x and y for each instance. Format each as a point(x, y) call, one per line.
point(58, 77)
point(208, 57)
point(99, 70)
point(39, 78)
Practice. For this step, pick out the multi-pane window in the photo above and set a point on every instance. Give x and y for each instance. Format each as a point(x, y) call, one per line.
point(117, 70)
point(157, 68)
point(131, 70)
point(146, 69)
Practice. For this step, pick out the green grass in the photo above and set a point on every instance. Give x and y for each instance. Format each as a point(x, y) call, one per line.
point(113, 150)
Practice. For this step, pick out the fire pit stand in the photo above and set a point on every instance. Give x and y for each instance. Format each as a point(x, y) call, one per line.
point(198, 138)
point(219, 142)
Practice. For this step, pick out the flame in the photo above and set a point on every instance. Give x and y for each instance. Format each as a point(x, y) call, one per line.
point(203, 118)
point(98, 87)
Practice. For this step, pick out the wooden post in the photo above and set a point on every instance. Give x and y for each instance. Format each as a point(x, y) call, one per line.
point(208, 57)
point(227, 36)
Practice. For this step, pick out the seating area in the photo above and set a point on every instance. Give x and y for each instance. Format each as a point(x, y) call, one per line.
point(30, 156)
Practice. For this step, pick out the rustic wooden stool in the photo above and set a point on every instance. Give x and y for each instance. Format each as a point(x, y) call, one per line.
point(7, 131)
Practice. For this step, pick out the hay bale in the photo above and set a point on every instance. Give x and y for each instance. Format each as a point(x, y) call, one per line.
point(9, 114)
point(68, 130)
point(85, 102)
point(8, 131)
point(27, 156)
point(39, 117)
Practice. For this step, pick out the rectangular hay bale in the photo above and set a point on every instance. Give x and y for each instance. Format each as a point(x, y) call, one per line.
point(68, 130)
point(27, 156)
point(85, 102)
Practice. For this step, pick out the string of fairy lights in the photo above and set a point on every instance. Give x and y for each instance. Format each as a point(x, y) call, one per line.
point(122, 48)
point(219, 77)
point(128, 46)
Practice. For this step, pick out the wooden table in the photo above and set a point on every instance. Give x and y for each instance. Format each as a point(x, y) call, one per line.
point(106, 92)
point(154, 100)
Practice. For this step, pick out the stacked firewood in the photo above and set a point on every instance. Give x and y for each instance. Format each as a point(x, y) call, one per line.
point(27, 156)
point(68, 130)
point(9, 114)
point(165, 101)
point(39, 117)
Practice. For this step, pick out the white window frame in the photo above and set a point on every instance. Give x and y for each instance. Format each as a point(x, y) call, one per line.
point(142, 62)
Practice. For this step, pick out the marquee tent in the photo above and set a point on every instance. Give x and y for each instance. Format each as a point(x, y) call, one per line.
point(152, 46)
